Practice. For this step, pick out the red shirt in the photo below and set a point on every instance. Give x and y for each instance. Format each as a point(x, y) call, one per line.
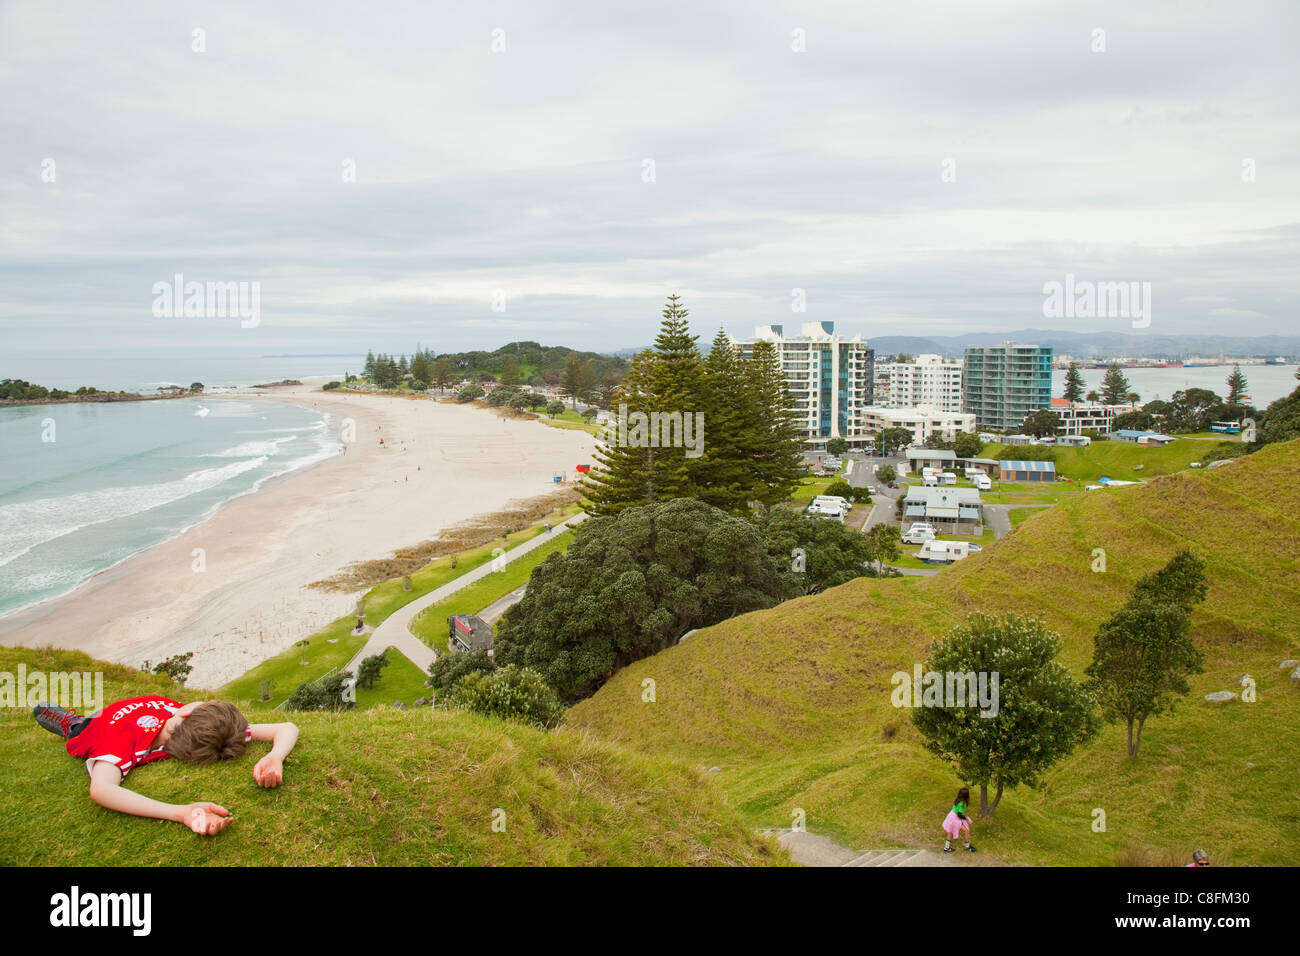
point(124, 733)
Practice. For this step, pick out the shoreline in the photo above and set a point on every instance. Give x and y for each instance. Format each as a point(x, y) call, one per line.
point(437, 465)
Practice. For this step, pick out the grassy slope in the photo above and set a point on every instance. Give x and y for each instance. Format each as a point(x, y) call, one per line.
point(374, 787)
point(793, 703)
point(1115, 459)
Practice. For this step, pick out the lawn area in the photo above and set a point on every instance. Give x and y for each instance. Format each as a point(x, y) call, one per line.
point(430, 625)
point(810, 487)
point(400, 680)
point(1017, 516)
point(325, 650)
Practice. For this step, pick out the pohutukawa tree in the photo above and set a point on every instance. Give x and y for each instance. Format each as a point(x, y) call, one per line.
point(1042, 713)
point(1144, 653)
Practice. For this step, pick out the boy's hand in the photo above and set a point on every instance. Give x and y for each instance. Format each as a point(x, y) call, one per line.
point(269, 771)
point(206, 819)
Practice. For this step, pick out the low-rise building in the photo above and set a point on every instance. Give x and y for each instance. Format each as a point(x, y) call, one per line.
point(1078, 417)
point(940, 459)
point(1027, 470)
point(469, 632)
point(924, 421)
point(956, 510)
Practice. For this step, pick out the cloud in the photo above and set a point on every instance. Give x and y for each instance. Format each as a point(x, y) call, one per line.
point(524, 170)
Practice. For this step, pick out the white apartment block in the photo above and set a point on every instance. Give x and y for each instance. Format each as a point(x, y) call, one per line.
point(925, 421)
point(929, 380)
point(829, 375)
point(1077, 418)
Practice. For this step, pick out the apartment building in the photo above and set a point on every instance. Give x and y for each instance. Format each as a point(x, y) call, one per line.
point(830, 376)
point(1001, 384)
point(930, 380)
point(925, 421)
point(1076, 418)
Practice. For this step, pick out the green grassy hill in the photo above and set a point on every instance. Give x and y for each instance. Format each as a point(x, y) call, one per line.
point(792, 704)
point(397, 787)
point(1116, 459)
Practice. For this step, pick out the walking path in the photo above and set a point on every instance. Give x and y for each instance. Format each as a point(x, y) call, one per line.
point(395, 630)
point(999, 517)
point(810, 849)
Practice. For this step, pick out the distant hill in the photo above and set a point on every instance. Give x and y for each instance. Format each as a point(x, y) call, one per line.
point(793, 704)
point(1097, 344)
point(541, 361)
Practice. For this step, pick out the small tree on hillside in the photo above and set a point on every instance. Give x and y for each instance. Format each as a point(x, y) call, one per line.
point(1143, 654)
point(883, 541)
point(1042, 714)
point(368, 670)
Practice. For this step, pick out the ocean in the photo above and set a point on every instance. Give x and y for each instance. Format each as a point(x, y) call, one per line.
point(1266, 382)
point(119, 478)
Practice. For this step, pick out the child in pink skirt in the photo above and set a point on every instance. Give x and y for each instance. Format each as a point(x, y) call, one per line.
point(957, 822)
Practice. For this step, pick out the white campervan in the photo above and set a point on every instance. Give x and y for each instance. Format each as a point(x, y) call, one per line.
point(983, 482)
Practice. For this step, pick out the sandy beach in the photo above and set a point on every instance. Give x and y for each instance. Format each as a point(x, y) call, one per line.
point(438, 464)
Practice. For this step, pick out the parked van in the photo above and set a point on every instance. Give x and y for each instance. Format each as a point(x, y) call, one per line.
point(834, 501)
point(919, 534)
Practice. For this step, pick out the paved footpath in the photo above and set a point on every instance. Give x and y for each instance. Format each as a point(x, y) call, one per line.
point(395, 630)
point(810, 849)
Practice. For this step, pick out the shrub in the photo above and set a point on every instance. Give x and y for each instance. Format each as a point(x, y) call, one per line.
point(330, 386)
point(452, 666)
point(515, 693)
point(177, 668)
point(329, 693)
point(469, 393)
point(368, 671)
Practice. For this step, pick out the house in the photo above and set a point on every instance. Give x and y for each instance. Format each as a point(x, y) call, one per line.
point(1018, 439)
point(1073, 441)
point(976, 466)
point(1027, 470)
point(1130, 435)
point(956, 510)
point(1155, 438)
point(468, 632)
point(939, 459)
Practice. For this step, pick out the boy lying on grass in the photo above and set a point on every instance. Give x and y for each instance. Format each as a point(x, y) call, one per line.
point(140, 730)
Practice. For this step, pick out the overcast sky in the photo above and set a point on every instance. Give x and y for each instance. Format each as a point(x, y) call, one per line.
point(524, 169)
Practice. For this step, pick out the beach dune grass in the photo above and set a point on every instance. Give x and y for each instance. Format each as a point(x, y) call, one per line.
point(793, 704)
point(375, 787)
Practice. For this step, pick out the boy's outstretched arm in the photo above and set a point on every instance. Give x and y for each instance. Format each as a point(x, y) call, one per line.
point(269, 771)
point(106, 789)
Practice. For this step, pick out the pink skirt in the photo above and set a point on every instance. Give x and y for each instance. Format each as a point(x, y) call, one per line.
point(952, 825)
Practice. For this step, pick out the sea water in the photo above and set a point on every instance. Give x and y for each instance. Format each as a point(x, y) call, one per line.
point(84, 486)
